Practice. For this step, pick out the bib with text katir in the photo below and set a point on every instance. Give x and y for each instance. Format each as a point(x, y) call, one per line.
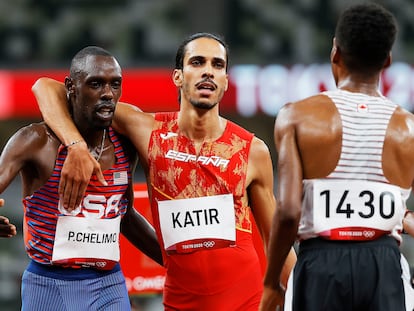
point(355, 210)
point(193, 224)
point(87, 241)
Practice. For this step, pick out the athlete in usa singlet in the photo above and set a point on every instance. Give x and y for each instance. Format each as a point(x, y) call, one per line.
point(55, 236)
point(204, 229)
point(75, 256)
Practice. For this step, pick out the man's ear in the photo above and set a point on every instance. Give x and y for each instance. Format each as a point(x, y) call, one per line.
point(69, 85)
point(177, 77)
point(335, 52)
point(388, 61)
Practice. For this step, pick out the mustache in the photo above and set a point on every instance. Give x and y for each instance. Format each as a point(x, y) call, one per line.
point(206, 80)
point(108, 104)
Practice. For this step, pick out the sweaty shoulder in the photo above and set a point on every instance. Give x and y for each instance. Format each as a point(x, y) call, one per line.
point(398, 153)
point(313, 108)
point(259, 147)
point(36, 135)
point(314, 126)
point(260, 162)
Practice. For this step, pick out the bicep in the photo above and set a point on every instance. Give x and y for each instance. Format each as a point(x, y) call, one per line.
point(261, 195)
point(289, 166)
point(13, 158)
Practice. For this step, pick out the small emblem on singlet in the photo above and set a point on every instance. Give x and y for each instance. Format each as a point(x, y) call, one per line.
point(168, 135)
point(120, 178)
point(362, 108)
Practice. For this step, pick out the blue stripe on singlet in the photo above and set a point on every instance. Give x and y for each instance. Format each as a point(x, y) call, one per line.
point(62, 273)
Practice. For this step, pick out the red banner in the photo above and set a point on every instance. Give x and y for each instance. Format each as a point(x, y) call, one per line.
point(253, 90)
point(150, 89)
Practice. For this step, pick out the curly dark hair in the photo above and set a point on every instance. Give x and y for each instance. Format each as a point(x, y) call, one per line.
point(365, 34)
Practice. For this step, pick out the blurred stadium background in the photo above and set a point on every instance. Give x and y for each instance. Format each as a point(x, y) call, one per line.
point(279, 51)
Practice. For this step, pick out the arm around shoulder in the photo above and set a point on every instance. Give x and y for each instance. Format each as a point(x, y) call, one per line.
point(51, 97)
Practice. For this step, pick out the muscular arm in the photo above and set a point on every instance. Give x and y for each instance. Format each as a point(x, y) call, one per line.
point(79, 164)
point(260, 190)
point(286, 218)
point(140, 233)
point(13, 159)
point(134, 226)
point(262, 199)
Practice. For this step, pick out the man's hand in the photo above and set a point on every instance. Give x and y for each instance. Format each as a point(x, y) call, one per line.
point(272, 299)
point(7, 230)
point(408, 222)
point(76, 174)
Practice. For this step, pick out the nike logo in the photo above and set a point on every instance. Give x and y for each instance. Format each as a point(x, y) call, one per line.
point(168, 135)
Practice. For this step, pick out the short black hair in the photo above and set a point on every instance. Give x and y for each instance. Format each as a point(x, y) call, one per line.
point(77, 65)
point(365, 34)
point(179, 58)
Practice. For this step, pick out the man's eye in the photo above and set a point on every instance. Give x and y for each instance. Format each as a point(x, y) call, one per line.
point(95, 84)
point(116, 85)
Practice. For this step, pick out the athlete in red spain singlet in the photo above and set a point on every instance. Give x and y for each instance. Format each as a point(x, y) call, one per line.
point(205, 176)
point(179, 173)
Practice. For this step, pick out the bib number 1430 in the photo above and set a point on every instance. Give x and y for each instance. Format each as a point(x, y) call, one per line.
point(385, 204)
point(351, 203)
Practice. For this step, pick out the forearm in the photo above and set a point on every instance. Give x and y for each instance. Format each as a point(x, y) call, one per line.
point(142, 235)
point(52, 101)
point(281, 256)
point(79, 164)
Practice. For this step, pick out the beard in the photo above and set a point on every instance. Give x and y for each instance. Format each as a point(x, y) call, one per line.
point(203, 105)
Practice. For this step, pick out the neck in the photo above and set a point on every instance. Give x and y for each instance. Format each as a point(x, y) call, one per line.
point(358, 84)
point(96, 142)
point(201, 126)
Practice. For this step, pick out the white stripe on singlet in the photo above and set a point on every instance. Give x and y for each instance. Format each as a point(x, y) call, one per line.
point(364, 123)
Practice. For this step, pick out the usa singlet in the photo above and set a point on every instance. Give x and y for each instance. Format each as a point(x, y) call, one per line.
point(89, 235)
point(204, 229)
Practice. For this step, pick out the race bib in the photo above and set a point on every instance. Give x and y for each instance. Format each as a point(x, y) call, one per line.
point(355, 210)
point(189, 225)
point(87, 242)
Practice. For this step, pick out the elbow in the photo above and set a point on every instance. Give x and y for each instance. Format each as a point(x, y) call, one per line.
point(289, 213)
point(38, 84)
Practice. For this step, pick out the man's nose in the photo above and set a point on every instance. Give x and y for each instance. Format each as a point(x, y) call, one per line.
point(107, 91)
point(208, 71)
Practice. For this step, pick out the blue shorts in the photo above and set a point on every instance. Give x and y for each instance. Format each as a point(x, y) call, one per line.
point(48, 289)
